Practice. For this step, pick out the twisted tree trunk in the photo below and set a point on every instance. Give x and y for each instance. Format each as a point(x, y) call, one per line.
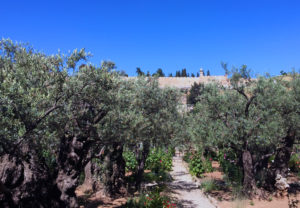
point(141, 157)
point(249, 184)
point(114, 165)
point(71, 161)
point(282, 158)
point(26, 180)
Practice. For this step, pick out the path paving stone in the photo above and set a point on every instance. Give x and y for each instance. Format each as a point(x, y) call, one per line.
point(185, 189)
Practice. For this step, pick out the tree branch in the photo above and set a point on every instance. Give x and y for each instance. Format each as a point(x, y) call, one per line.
point(248, 105)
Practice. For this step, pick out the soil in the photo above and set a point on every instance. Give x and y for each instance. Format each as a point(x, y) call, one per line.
point(186, 192)
point(87, 199)
point(226, 200)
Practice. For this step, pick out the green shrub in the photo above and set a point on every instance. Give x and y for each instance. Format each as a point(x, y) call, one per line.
point(187, 157)
point(159, 160)
point(271, 159)
point(209, 185)
point(294, 163)
point(131, 163)
point(207, 164)
point(151, 200)
point(162, 176)
point(171, 150)
point(198, 166)
point(228, 162)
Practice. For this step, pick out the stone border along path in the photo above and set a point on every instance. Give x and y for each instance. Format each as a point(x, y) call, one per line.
point(184, 189)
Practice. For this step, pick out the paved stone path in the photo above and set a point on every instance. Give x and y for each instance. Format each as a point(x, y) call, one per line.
point(185, 189)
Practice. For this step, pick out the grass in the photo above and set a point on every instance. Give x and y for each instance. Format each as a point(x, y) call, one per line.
point(209, 185)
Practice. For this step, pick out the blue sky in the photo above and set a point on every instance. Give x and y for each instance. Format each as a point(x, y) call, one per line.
point(167, 34)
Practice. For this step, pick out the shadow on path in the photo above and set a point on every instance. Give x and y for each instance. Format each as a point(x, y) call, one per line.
point(184, 189)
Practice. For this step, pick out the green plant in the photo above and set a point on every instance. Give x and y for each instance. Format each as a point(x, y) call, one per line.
point(251, 203)
point(198, 165)
point(294, 163)
point(228, 162)
point(157, 177)
point(171, 151)
point(152, 200)
point(130, 160)
point(209, 185)
point(187, 157)
point(159, 160)
point(207, 164)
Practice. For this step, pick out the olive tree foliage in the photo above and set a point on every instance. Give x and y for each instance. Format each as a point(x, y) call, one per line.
point(251, 118)
point(30, 87)
point(194, 93)
point(159, 109)
point(49, 122)
point(144, 115)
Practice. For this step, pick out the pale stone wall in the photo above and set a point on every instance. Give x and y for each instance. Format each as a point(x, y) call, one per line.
point(185, 83)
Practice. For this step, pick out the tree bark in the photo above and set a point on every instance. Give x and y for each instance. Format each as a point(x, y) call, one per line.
point(88, 176)
point(26, 181)
point(249, 184)
point(71, 162)
point(282, 158)
point(114, 164)
point(141, 157)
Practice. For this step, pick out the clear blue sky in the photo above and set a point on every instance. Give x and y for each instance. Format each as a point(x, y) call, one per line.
point(167, 34)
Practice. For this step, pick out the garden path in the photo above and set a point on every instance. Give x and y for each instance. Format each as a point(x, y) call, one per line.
point(184, 189)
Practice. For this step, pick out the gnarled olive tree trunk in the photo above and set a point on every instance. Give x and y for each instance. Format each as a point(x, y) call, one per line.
point(282, 158)
point(249, 184)
point(71, 161)
point(141, 157)
point(114, 170)
point(26, 181)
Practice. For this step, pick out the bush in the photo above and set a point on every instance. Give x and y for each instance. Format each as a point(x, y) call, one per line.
point(228, 162)
point(209, 185)
point(187, 157)
point(157, 177)
point(151, 200)
point(198, 166)
point(131, 163)
point(172, 151)
point(294, 163)
point(159, 160)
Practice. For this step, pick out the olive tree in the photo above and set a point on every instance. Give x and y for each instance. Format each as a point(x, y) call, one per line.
point(50, 123)
point(248, 118)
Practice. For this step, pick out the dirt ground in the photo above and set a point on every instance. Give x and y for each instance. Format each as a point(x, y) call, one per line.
point(87, 199)
point(225, 199)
